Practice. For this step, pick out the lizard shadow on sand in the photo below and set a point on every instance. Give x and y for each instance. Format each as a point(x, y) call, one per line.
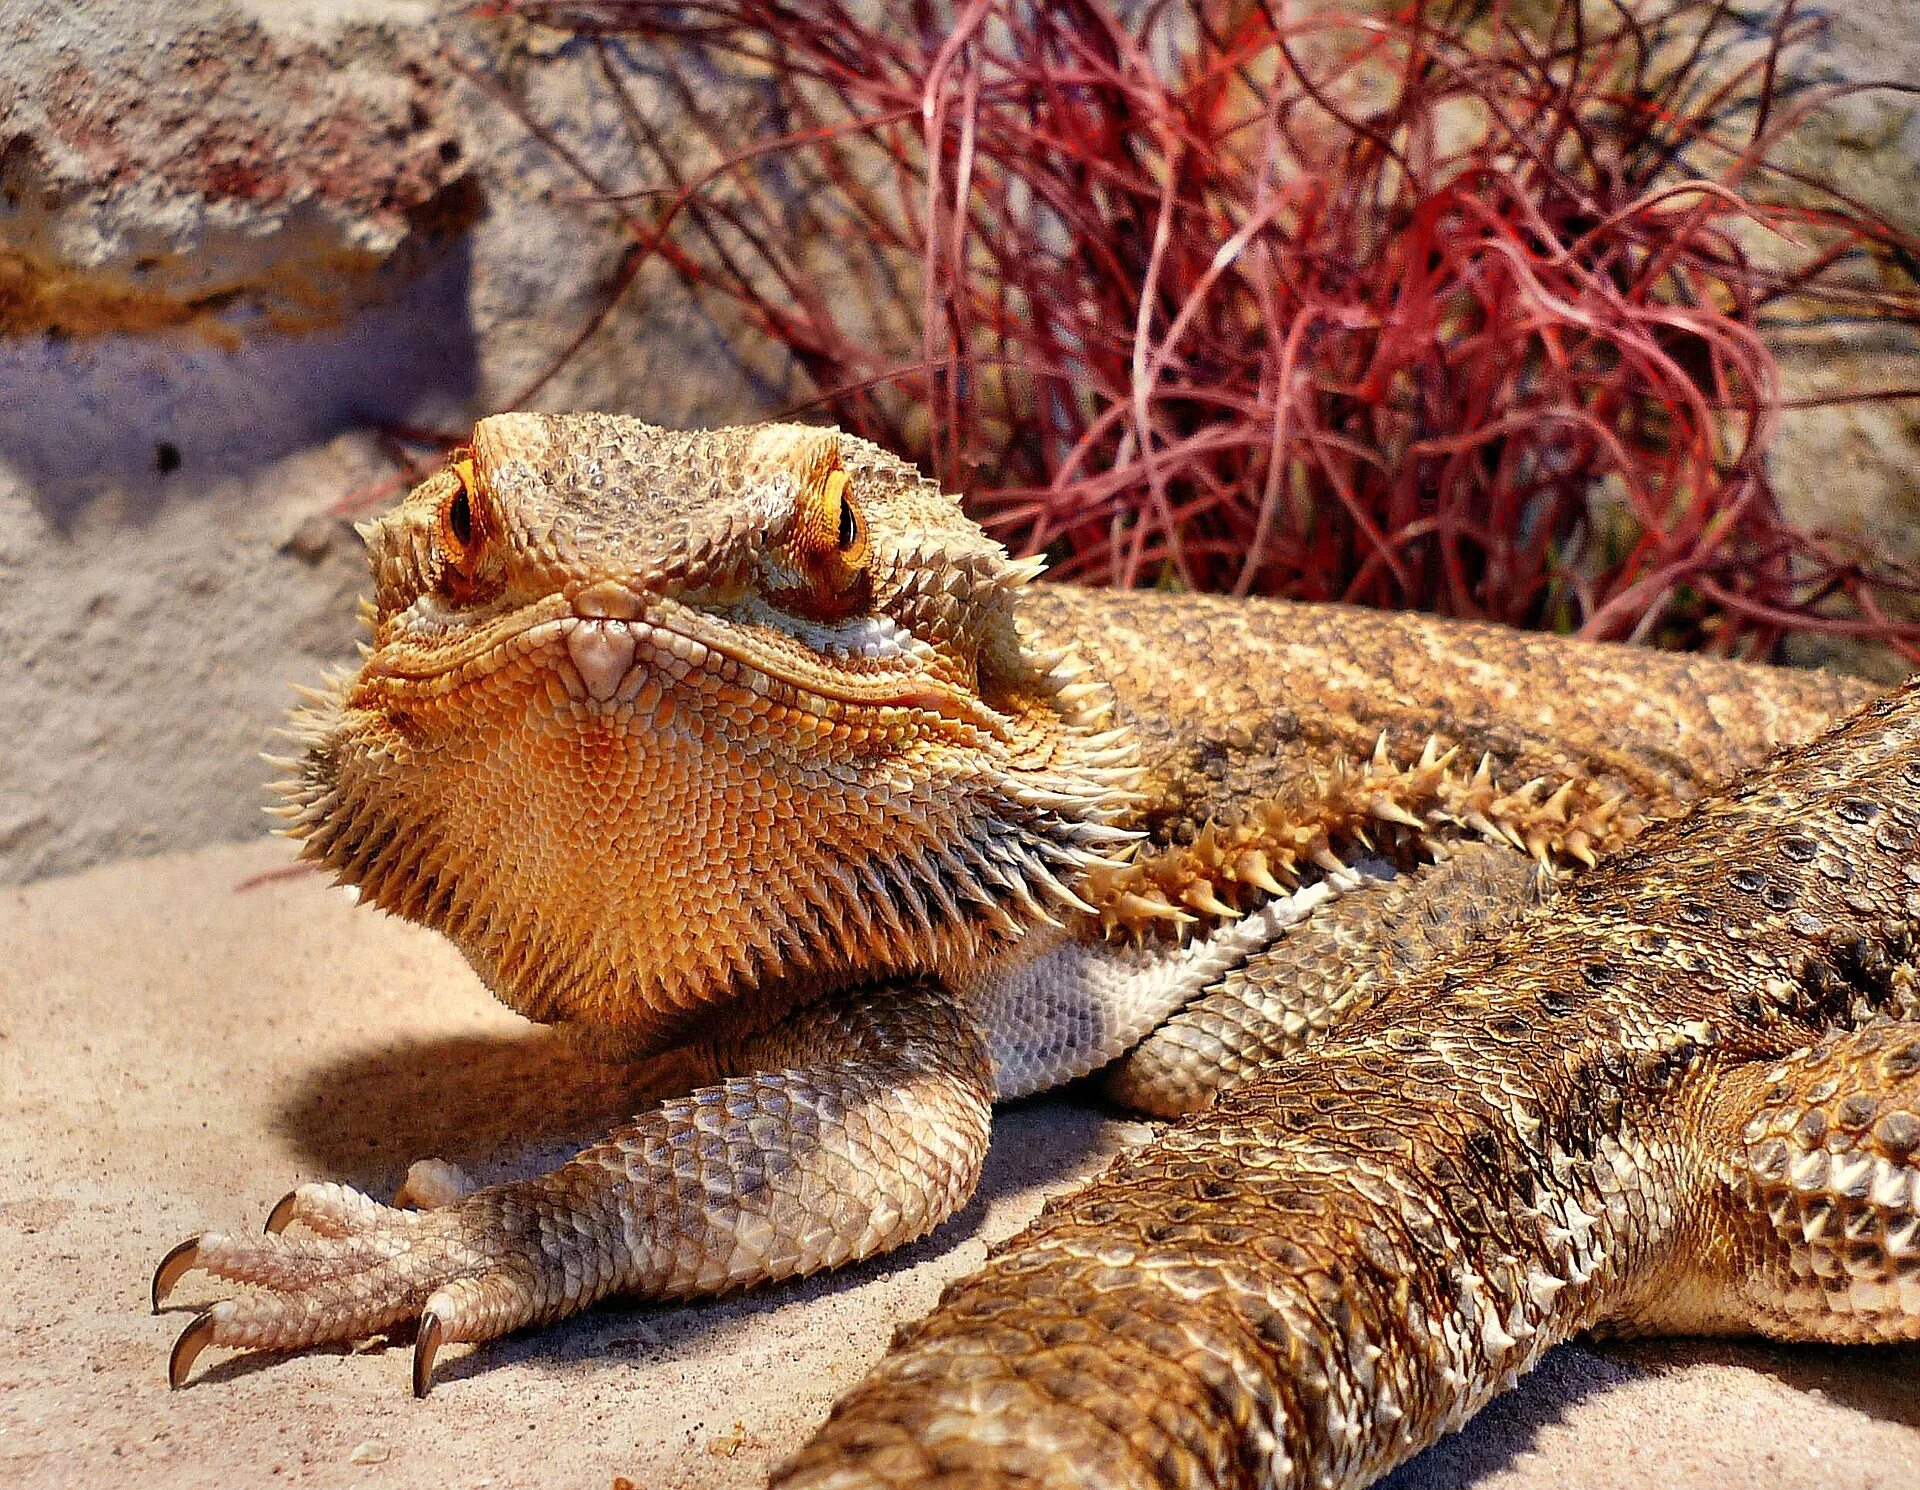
point(1882, 1383)
point(506, 1106)
point(499, 1105)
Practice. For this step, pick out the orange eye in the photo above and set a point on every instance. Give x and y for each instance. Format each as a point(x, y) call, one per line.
point(849, 525)
point(829, 541)
point(460, 536)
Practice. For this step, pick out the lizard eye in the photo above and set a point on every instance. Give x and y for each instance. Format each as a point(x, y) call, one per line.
point(850, 527)
point(852, 530)
point(460, 536)
point(829, 543)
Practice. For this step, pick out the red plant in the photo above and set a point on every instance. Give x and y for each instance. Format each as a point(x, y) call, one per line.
point(1431, 308)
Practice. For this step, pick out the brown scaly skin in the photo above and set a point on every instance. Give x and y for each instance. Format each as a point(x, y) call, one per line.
point(747, 743)
point(1311, 981)
point(1684, 1097)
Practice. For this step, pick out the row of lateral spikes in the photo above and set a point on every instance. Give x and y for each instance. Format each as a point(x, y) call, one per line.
point(1352, 805)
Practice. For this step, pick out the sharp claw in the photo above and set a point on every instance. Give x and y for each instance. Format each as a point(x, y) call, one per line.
point(182, 1260)
point(195, 1338)
point(426, 1345)
point(281, 1215)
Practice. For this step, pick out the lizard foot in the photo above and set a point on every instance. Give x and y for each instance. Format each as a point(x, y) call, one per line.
point(1807, 1226)
point(361, 1269)
point(863, 1127)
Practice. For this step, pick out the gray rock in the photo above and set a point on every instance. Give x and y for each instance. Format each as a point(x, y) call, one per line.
point(173, 493)
point(166, 164)
point(1854, 468)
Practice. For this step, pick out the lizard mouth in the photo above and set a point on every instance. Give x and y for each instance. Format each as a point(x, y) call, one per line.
point(608, 660)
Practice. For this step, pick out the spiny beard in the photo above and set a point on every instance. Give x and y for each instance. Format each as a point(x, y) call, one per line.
point(996, 850)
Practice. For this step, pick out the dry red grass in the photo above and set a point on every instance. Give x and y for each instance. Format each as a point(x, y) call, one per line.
point(1428, 308)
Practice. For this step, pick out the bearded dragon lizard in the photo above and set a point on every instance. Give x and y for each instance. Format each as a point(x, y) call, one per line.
point(748, 743)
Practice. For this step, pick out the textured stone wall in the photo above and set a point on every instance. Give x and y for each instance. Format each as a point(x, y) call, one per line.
point(237, 236)
point(1855, 468)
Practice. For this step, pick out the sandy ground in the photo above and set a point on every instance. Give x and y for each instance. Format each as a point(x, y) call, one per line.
point(175, 1051)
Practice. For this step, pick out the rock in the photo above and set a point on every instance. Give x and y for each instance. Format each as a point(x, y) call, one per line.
point(174, 486)
point(313, 538)
point(1854, 468)
point(168, 164)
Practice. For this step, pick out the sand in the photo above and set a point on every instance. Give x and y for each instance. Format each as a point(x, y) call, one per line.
point(176, 1051)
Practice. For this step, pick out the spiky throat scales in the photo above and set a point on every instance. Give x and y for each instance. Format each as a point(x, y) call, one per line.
point(668, 731)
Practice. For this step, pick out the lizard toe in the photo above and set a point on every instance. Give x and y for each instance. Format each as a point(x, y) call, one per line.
point(366, 1269)
point(308, 1290)
point(431, 1183)
point(326, 1210)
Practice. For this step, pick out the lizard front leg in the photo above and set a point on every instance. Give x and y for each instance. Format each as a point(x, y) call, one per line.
point(862, 1126)
point(1181, 1024)
point(1317, 975)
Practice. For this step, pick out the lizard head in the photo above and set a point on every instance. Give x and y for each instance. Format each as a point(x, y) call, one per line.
point(660, 727)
